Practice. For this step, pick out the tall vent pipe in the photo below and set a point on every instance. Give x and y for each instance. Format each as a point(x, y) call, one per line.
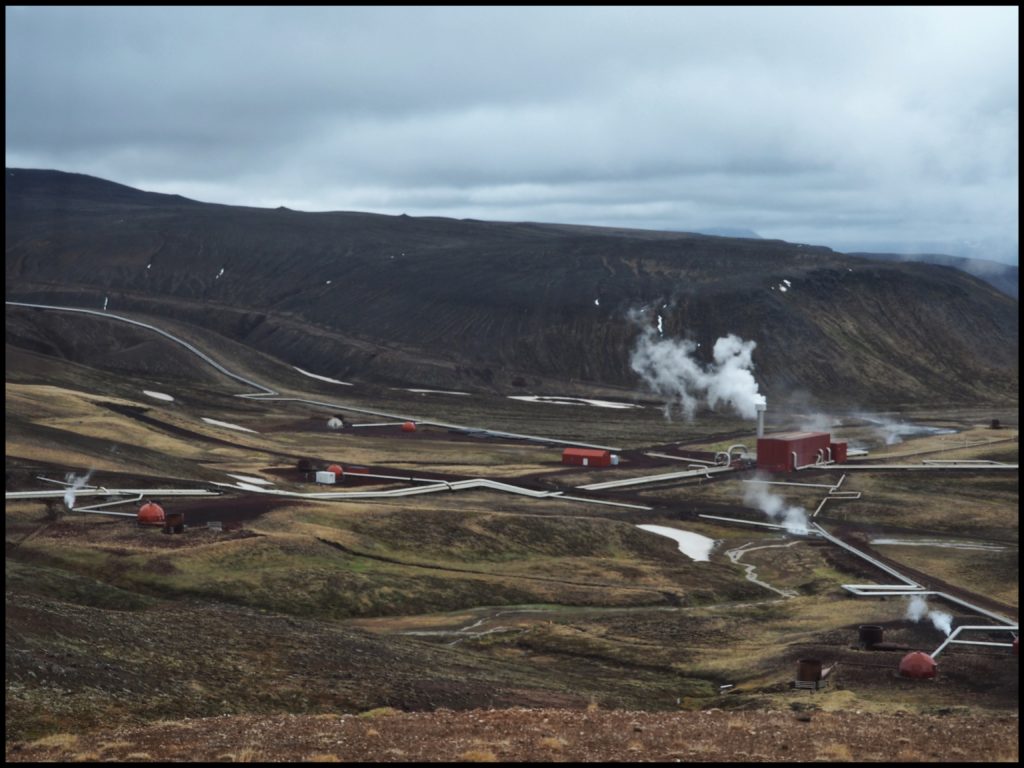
point(761, 407)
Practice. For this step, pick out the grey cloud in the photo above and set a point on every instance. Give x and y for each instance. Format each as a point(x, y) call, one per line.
point(830, 125)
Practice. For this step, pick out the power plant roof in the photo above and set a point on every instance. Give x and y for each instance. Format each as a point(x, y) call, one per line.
point(792, 435)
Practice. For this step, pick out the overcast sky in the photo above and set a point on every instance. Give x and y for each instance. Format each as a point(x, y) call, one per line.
point(866, 128)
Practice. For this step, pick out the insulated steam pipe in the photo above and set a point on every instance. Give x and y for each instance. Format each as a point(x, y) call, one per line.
point(965, 628)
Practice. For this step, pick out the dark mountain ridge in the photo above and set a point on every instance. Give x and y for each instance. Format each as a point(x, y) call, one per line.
point(436, 301)
point(1003, 277)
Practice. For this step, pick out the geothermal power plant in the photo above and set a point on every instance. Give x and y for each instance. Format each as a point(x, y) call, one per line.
point(777, 453)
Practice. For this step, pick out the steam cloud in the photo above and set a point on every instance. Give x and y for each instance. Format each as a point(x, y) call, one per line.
point(893, 432)
point(918, 608)
point(670, 368)
point(793, 519)
point(77, 481)
point(817, 422)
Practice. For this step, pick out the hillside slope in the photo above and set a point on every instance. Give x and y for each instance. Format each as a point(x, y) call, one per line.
point(503, 305)
point(1003, 277)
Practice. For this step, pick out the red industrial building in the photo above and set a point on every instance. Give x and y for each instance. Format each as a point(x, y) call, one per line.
point(587, 457)
point(785, 451)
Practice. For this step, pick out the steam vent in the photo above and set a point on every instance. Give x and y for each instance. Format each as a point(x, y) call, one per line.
point(917, 665)
point(151, 513)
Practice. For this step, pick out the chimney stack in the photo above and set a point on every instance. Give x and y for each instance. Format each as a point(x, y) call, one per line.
point(761, 407)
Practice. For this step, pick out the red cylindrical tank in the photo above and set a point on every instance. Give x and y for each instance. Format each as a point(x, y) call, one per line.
point(1016, 647)
point(409, 427)
point(917, 664)
point(151, 514)
point(337, 470)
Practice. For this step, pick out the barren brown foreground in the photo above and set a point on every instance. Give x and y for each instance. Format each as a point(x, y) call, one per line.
point(547, 735)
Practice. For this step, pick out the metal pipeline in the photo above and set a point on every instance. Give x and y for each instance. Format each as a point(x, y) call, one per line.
point(111, 492)
point(965, 628)
point(751, 522)
point(109, 504)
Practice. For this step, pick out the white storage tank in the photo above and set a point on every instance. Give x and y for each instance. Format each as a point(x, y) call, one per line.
point(615, 459)
point(327, 478)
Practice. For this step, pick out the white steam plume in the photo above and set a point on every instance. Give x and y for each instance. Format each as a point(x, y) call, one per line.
point(77, 481)
point(793, 519)
point(942, 621)
point(669, 367)
point(893, 431)
point(817, 422)
point(918, 608)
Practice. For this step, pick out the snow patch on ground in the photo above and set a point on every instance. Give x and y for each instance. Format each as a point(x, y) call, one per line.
point(936, 543)
point(322, 378)
point(250, 479)
point(557, 400)
point(436, 391)
point(228, 425)
point(693, 545)
point(251, 487)
point(157, 395)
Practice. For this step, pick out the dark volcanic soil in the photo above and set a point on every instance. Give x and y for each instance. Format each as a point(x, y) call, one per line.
point(549, 735)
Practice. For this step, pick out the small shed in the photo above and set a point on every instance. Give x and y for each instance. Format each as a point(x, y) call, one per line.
point(326, 477)
point(587, 457)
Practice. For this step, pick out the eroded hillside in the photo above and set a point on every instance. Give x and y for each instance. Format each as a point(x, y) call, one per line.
point(442, 302)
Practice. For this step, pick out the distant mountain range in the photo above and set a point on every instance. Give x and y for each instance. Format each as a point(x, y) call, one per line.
point(503, 306)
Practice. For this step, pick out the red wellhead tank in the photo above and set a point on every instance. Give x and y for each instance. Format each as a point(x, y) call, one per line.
point(337, 470)
point(409, 426)
point(918, 665)
point(151, 514)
